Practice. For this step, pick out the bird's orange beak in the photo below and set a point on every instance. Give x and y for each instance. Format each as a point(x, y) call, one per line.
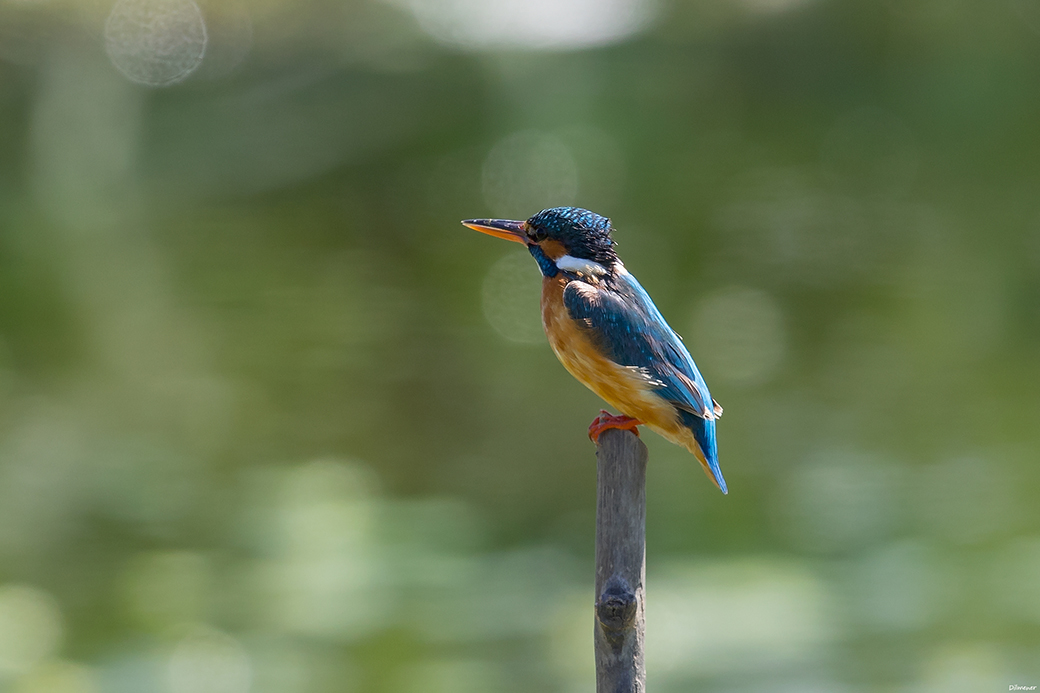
point(500, 228)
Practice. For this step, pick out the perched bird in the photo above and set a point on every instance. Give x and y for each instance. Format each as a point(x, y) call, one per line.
point(608, 333)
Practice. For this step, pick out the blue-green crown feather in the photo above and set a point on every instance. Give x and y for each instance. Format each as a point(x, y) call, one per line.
point(583, 233)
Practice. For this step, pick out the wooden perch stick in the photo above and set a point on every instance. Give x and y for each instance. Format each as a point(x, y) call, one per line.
point(620, 562)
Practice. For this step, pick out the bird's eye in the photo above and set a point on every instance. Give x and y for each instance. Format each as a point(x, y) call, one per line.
point(537, 235)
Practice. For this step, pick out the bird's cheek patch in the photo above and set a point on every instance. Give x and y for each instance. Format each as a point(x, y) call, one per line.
point(554, 250)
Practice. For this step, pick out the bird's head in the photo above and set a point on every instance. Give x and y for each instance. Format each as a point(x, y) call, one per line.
point(561, 238)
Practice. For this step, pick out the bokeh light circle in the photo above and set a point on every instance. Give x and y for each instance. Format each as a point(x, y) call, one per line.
point(30, 627)
point(512, 298)
point(527, 172)
point(209, 661)
point(155, 42)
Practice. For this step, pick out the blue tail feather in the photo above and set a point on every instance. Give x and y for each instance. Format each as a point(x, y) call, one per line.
point(704, 434)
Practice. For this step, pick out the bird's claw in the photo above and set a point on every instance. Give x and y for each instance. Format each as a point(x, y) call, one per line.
point(607, 420)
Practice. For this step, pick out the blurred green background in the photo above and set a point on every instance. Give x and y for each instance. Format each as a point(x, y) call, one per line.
point(272, 421)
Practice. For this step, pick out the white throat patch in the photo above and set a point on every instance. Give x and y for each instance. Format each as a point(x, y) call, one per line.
point(569, 263)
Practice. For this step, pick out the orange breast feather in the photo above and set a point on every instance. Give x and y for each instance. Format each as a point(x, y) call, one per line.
point(622, 387)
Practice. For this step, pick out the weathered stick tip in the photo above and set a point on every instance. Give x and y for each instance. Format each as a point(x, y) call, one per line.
point(617, 436)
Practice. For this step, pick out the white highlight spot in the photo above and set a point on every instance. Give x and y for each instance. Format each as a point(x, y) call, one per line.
point(512, 298)
point(529, 171)
point(30, 627)
point(155, 42)
point(208, 661)
point(531, 24)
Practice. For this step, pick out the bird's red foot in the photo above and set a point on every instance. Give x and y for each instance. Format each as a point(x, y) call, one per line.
point(607, 420)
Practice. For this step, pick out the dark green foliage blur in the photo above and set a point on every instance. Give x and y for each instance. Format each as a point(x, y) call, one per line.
point(272, 420)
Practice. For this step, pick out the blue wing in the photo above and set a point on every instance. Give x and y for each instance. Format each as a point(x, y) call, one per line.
point(630, 330)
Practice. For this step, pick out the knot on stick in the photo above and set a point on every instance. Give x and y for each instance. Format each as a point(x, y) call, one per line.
point(616, 606)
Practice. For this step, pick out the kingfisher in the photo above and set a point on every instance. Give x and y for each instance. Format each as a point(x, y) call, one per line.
point(607, 332)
